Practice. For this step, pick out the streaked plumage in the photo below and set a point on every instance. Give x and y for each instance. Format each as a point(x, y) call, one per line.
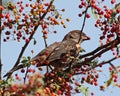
point(58, 54)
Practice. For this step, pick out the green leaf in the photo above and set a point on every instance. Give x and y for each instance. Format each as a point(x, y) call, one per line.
point(28, 57)
point(114, 13)
point(5, 83)
point(35, 42)
point(94, 13)
point(24, 61)
point(53, 7)
point(56, 14)
point(83, 90)
point(23, 58)
point(95, 62)
point(82, 50)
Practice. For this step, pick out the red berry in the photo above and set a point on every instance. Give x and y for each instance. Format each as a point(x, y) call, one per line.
point(45, 32)
point(27, 40)
point(83, 3)
point(118, 10)
point(27, 5)
point(46, 4)
point(80, 6)
point(96, 84)
point(92, 94)
point(7, 33)
point(115, 80)
point(80, 15)
point(88, 15)
point(7, 15)
point(77, 84)
point(2, 15)
point(29, 70)
point(22, 70)
point(100, 65)
point(113, 1)
point(20, 10)
point(110, 68)
point(7, 38)
point(4, 40)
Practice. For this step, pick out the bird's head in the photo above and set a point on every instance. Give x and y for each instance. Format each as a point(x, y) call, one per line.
point(77, 36)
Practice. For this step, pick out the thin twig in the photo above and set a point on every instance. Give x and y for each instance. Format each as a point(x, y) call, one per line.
point(99, 48)
point(112, 66)
point(15, 69)
point(45, 40)
point(83, 25)
point(98, 65)
point(26, 74)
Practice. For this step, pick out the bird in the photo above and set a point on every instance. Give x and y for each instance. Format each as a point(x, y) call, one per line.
point(58, 54)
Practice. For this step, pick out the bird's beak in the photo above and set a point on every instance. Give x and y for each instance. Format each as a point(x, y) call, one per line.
point(86, 38)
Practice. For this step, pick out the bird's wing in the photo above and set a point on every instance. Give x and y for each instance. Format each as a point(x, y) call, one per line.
point(64, 47)
point(56, 50)
point(45, 52)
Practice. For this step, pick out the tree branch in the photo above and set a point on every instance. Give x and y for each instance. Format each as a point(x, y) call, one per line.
point(99, 51)
point(26, 44)
point(0, 41)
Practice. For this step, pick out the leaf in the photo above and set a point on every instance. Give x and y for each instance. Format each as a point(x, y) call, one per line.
point(117, 6)
point(26, 61)
point(5, 83)
point(94, 13)
point(83, 90)
point(35, 42)
point(53, 7)
point(23, 58)
point(56, 14)
point(109, 82)
point(28, 57)
point(95, 62)
point(5, 2)
point(82, 50)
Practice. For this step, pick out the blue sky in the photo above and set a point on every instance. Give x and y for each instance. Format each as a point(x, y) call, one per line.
point(11, 49)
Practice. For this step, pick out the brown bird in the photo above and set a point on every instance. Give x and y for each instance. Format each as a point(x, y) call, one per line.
point(58, 54)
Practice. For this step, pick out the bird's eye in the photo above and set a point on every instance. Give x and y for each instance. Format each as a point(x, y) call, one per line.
point(71, 36)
